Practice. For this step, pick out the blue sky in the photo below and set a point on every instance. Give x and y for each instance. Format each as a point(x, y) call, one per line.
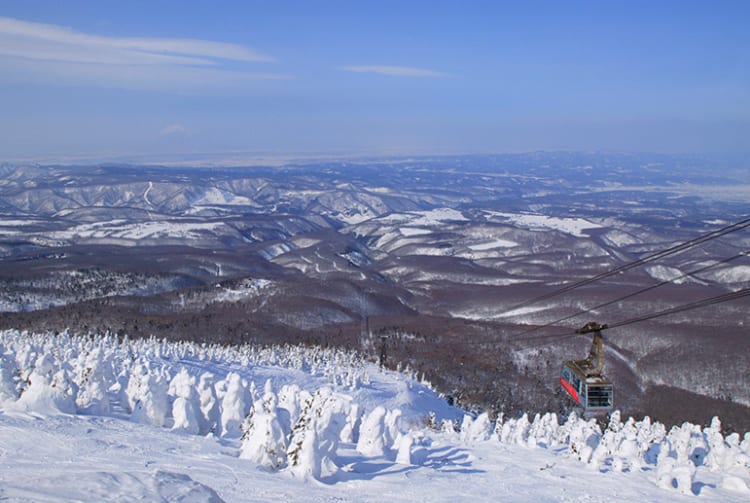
point(283, 77)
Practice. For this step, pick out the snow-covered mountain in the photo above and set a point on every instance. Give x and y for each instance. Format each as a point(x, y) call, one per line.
point(437, 254)
point(98, 418)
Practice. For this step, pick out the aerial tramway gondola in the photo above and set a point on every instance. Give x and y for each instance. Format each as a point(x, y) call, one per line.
point(583, 379)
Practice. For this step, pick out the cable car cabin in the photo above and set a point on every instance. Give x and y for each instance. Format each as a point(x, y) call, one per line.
point(583, 379)
point(595, 393)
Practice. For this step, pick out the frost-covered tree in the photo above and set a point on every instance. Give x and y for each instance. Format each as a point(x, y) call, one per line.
point(316, 434)
point(50, 389)
point(94, 376)
point(302, 453)
point(562, 436)
point(543, 430)
point(350, 431)
point(404, 450)
point(476, 429)
point(264, 441)
point(516, 431)
point(608, 443)
point(210, 415)
point(715, 449)
point(235, 404)
point(674, 467)
point(446, 426)
point(290, 397)
point(332, 410)
point(392, 427)
point(8, 372)
point(149, 398)
point(186, 406)
point(26, 357)
point(584, 438)
point(372, 433)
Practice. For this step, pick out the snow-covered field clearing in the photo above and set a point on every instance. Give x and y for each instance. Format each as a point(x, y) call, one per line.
point(573, 226)
point(248, 288)
point(490, 312)
point(737, 274)
point(87, 419)
point(665, 273)
point(217, 196)
point(119, 229)
point(16, 222)
point(497, 243)
point(414, 231)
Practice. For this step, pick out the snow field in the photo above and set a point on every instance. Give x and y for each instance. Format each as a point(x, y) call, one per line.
point(248, 288)
point(120, 229)
point(314, 415)
point(572, 226)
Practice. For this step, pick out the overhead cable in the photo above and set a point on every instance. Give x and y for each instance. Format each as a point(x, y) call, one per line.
point(638, 292)
point(686, 307)
point(672, 250)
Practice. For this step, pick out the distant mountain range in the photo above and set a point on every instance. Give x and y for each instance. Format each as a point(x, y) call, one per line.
point(438, 253)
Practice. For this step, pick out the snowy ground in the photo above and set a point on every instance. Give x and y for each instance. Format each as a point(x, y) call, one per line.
point(64, 458)
point(104, 449)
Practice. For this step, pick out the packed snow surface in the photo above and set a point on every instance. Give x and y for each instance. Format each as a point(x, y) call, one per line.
point(99, 419)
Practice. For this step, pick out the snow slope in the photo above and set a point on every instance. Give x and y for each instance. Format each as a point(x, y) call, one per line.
point(357, 434)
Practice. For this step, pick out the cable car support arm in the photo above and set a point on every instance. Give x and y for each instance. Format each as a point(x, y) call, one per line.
point(593, 365)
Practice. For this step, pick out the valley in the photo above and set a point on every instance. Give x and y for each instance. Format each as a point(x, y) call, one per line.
point(438, 258)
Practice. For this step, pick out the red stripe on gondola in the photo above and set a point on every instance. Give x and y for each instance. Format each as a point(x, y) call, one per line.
point(570, 389)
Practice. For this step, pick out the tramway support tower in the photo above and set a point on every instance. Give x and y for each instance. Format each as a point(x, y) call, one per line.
point(584, 380)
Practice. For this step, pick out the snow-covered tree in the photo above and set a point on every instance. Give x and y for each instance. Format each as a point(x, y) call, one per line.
point(209, 417)
point(674, 467)
point(543, 430)
point(476, 429)
point(186, 406)
point(94, 376)
point(350, 431)
point(50, 391)
point(8, 372)
point(264, 441)
point(372, 439)
point(404, 450)
point(584, 438)
point(235, 404)
point(149, 398)
point(316, 435)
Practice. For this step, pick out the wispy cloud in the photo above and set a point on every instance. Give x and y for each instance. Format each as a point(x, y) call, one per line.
point(175, 129)
point(41, 51)
point(396, 71)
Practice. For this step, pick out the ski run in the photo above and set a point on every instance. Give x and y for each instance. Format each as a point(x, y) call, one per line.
point(105, 419)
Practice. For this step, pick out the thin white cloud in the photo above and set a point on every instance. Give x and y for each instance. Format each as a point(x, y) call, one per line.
point(57, 43)
point(175, 129)
point(36, 51)
point(396, 71)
